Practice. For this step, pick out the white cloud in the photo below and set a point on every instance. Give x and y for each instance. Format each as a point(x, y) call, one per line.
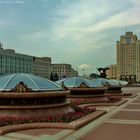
point(83, 15)
point(6, 23)
point(85, 69)
point(82, 25)
point(34, 36)
point(77, 28)
point(2, 23)
point(135, 2)
point(84, 66)
point(122, 19)
point(80, 14)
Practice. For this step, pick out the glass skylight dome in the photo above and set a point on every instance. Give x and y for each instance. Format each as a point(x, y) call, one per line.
point(36, 83)
point(114, 82)
point(123, 82)
point(77, 81)
point(104, 81)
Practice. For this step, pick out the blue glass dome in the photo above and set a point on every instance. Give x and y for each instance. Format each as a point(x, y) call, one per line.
point(123, 82)
point(61, 81)
point(102, 81)
point(105, 82)
point(114, 82)
point(36, 83)
point(77, 81)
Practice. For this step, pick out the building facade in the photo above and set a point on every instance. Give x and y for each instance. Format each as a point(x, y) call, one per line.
point(73, 72)
point(63, 70)
point(128, 57)
point(138, 61)
point(112, 72)
point(11, 62)
point(42, 66)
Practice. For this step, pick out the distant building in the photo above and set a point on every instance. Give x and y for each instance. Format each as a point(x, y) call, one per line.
point(128, 57)
point(42, 66)
point(63, 70)
point(112, 72)
point(73, 72)
point(11, 62)
point(138, 61)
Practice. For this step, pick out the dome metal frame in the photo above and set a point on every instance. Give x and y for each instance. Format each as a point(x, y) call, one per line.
point(36, 83)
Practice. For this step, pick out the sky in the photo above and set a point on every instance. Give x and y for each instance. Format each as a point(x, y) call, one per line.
point(82, 33)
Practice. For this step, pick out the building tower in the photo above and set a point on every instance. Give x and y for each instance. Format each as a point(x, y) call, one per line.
point(128, 57)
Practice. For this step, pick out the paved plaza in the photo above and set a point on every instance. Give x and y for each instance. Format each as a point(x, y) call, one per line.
point(119, 123)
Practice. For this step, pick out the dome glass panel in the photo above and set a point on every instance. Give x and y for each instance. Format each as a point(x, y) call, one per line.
point(34, 82)
point(114, 82)
point(41, 84)
point(102, 81)
point(77, 81)
point(105, 81)
point(123, 82)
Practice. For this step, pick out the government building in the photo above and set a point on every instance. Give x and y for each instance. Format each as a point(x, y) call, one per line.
point(12, 62)
point(63, 70)
point(112, 71)
point(42, 66)
point(128, 57)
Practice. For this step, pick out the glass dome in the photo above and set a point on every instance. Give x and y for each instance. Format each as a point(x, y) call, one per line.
point(102, 81)
point(77, 81)
point(61, 81)
point(114, 82)
point(123, 82)
point(36, 83)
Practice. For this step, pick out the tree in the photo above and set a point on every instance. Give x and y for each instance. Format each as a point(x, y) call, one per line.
point(55, 77)
point(51, 77)
point(94, 75)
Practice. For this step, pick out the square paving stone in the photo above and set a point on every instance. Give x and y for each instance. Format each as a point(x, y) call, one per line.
point(132, 106)
point(110, 131)
point(128, 115)
point(136, 101)
point(38, 132)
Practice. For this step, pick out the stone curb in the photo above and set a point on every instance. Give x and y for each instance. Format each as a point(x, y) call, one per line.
point(90, 117)
point(131, 96)
point(125, 96)
point(105, 104)
point(72, 125)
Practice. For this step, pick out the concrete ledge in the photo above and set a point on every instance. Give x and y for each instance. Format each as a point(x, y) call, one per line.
point(72, 125)
point(84, 120)
point(33, 106)
point(123, 95)
point(129, 96)
point(105, 104)
point(33, 94)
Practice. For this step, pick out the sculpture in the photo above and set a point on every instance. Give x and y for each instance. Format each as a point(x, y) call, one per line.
point(103, 72)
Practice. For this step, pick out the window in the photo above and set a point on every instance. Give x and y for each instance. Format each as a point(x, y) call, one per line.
point(128, 40)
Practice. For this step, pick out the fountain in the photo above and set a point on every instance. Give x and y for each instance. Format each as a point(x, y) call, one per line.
point(31, 96)
point(83, 90)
